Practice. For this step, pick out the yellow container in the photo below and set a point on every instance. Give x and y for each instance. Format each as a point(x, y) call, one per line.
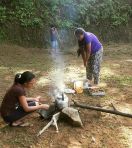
point(78, 87)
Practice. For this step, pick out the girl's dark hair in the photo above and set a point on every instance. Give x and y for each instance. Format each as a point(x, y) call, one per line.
point(25, 77)
point(79, 31)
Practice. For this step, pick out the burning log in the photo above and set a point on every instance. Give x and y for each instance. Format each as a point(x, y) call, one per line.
point(69, 114)
point(61, 104)
point(60, 101)
point(102, 109)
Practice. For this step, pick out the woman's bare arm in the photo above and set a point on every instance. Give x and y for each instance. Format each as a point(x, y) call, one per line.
point(83, 57)
point(24, 104)
point(88, 52)
point(37, 99)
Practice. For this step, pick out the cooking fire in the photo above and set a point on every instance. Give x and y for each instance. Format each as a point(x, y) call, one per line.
point(60, 108)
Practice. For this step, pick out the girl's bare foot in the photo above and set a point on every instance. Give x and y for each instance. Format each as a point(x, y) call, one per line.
point(20, 123)
point(90, 82)
point(17, 123)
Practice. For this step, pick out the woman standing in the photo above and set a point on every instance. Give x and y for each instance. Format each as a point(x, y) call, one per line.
point(15, 104)
point(54, 39)
point(92, 51)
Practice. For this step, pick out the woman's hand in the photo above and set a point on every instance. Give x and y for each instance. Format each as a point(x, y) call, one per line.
point(44, 106)
point(85, 63)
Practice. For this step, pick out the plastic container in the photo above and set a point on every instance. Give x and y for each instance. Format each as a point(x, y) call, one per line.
point(78, 87)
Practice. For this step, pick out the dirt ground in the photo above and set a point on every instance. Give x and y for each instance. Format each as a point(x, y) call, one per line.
point(100, 130)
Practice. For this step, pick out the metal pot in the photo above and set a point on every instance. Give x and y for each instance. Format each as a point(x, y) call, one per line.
point(61, 100)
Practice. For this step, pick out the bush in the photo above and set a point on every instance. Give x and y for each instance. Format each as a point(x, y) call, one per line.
point(65, 14)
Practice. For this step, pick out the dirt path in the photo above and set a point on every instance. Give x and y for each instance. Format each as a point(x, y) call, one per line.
point(99, 130)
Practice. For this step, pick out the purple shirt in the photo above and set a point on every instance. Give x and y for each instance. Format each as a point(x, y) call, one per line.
point(90, 38)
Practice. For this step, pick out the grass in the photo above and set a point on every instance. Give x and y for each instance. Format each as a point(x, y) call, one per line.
point(118, 80)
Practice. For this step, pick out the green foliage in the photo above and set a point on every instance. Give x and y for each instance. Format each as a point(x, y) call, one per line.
point(26, 14)
point(108, 13)
point(66, 14)
point(3, 18)
point(2, 35)
point(3, 15)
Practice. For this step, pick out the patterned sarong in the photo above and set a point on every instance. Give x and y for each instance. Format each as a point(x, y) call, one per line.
point(93, 66)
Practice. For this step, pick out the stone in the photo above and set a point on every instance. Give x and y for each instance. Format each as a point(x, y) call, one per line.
point(71, 115)
point(47, 114)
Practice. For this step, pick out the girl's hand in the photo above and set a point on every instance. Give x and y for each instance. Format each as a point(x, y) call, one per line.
point(40, 99)
point(44, 106)
point(37, 99)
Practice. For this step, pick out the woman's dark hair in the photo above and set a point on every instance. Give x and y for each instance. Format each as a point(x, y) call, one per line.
point(25, 77)
point(79, 31)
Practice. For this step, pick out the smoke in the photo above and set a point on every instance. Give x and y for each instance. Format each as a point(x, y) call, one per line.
point(57, 75)
point(69, 12)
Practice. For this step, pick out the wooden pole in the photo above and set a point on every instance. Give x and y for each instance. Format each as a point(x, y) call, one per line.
point(102, 110)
